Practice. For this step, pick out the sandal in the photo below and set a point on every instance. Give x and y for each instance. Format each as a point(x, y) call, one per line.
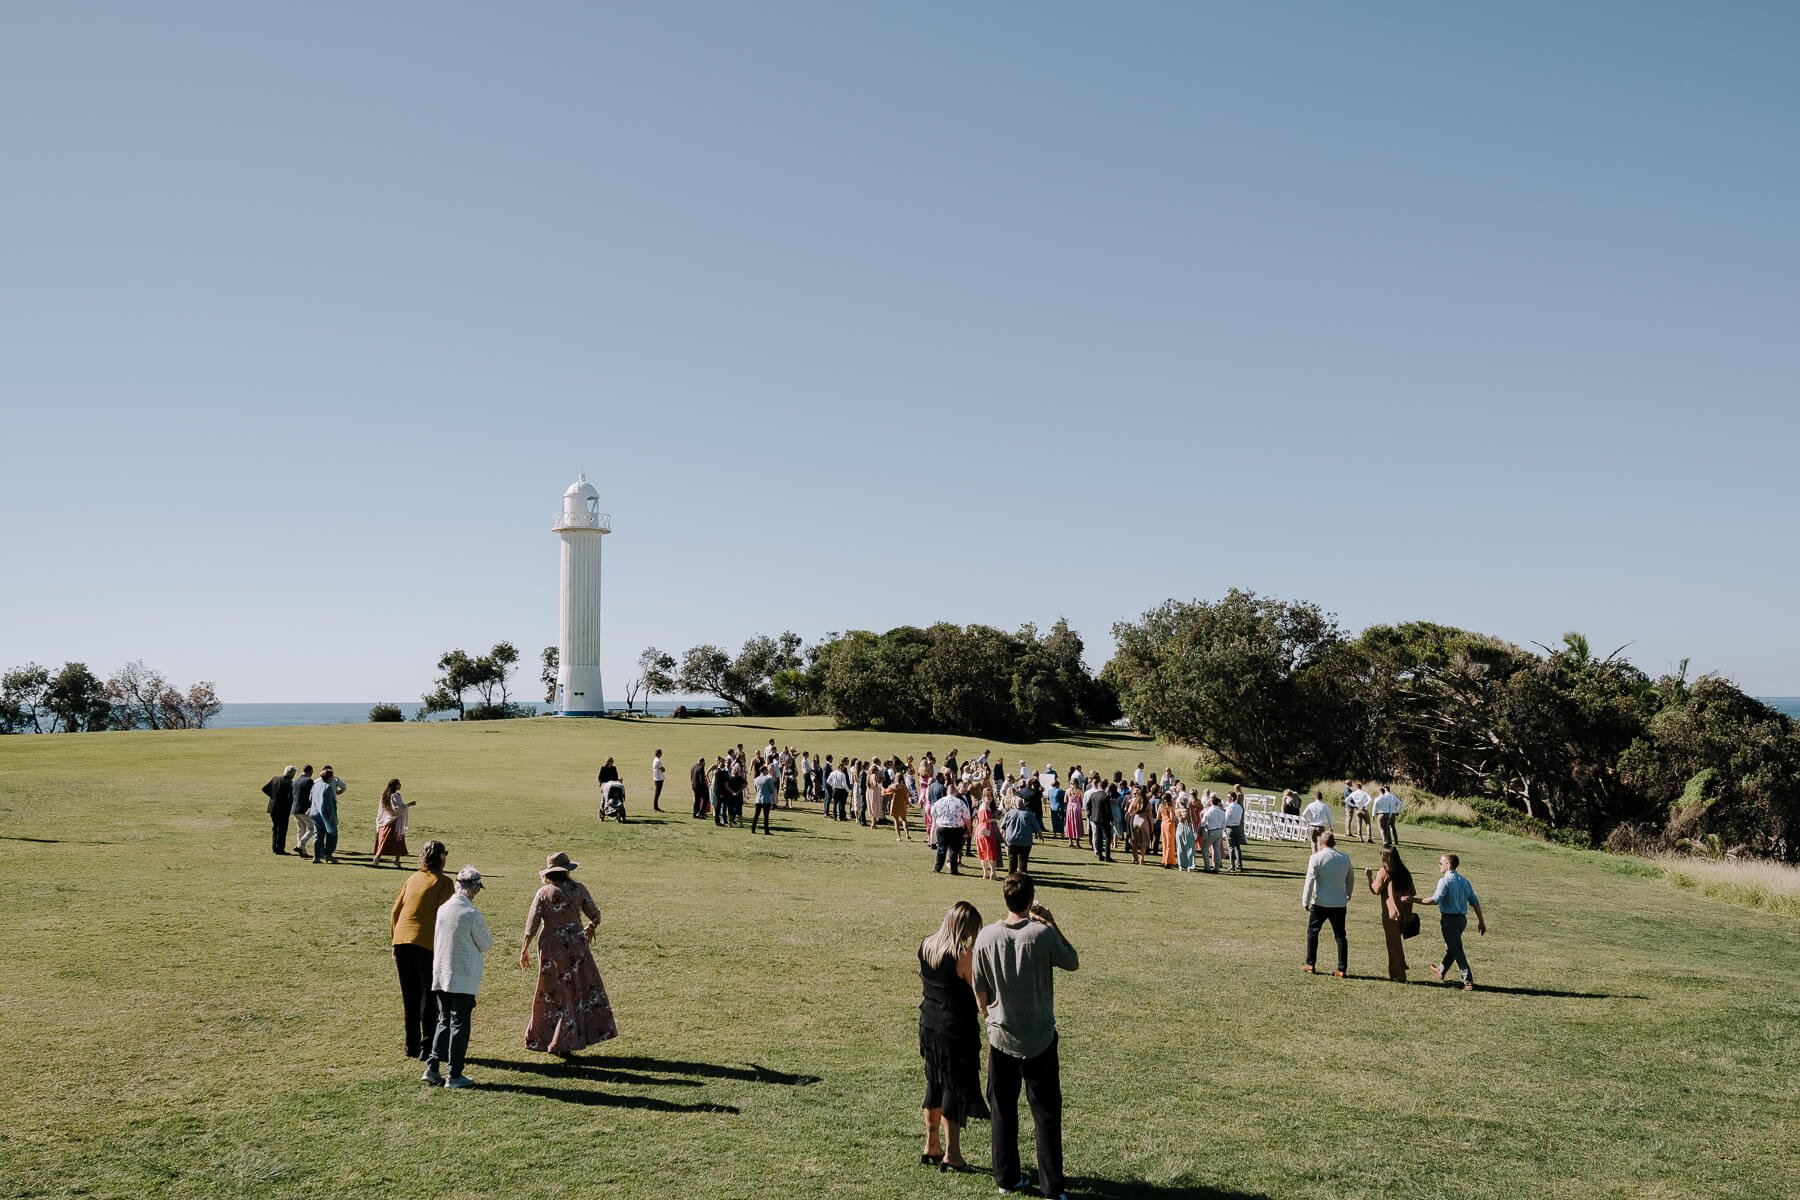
point(931, 1160)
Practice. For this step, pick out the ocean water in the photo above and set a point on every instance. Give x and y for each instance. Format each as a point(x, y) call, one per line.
point(1787, 704)
point(256, 716)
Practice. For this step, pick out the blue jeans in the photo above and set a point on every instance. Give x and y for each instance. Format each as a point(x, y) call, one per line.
point(324, 840)
point(1453, 925)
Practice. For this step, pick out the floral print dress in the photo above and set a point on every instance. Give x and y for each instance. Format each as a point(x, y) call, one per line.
point(570, 1010)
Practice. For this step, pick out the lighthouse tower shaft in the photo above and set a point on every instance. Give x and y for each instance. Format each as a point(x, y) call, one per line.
point(580, 525)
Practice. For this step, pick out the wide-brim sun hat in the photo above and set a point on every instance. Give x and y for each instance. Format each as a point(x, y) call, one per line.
point(558, 863)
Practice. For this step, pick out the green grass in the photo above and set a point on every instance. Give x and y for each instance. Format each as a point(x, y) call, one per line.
point(186, 1015)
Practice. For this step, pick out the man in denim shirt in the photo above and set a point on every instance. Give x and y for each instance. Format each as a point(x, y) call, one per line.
point(1454, 897)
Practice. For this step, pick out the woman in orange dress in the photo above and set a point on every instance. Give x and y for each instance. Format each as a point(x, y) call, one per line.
point(1167, 814)
point(569, 1010)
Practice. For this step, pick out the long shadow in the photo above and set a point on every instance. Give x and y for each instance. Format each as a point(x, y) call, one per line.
point(605, 1099)
point(749, 1072)
point(52, 841)
point(1525, 991)
point(1138, 1189)
point(592, 1071)
point(1071, 885)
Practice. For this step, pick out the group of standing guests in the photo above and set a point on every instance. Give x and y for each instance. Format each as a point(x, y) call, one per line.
point(440, 941)
point(1003, 972)
point(311, 802)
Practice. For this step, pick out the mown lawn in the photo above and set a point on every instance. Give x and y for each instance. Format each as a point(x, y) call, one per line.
point(186, 1015)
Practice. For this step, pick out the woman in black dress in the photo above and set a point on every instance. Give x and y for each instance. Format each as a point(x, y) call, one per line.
point(949, 1036)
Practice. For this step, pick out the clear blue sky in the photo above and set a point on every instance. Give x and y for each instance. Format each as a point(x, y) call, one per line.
point(861, 315)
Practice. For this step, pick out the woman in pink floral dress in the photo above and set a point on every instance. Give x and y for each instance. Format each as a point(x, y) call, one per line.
point(570, 1010)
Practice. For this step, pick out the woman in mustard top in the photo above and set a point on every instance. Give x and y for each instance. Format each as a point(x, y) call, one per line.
point(411, 925)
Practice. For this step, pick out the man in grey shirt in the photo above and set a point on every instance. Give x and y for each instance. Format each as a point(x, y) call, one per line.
point(1015, 990)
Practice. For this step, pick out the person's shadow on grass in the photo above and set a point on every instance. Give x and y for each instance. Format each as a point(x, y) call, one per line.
point(1553, 993)
point(1139, 1189)
point(572, 1095)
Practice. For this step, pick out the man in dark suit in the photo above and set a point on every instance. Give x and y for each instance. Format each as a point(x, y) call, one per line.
point(280, 791)
point(697, 777)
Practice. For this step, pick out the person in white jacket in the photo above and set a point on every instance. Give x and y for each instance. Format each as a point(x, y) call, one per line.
point(460, 940)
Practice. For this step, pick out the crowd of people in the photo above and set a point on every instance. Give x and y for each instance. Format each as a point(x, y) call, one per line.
point(1001, 973)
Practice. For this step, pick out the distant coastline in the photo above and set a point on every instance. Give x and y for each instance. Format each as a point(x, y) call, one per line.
point(263, 716)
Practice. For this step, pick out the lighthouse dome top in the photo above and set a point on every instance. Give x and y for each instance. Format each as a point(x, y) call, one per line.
point(581, 509)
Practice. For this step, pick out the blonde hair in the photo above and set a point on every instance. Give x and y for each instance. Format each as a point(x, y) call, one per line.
point(956, 934)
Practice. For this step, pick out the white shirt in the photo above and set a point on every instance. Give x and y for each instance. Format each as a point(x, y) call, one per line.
point(459, 939)
point(1214, 819)
point(1234, 813)
point(1137, 777)
point(1387, 802)
point(1317, 813)
point(1327, 879)
point(836, 780)
point(656, 769)
point(1357, 799)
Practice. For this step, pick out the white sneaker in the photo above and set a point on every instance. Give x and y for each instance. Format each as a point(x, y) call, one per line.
point(459, 1081)
point(432, 1076)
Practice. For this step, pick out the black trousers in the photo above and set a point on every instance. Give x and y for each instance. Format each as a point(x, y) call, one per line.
point(451, 1042)
point(1017, 859)
point(699, 802)
point(1319, 916)
point(840, 804)
point(949, 845)
point(1042, 1077)
point(279, 823)
point(763, 811)
point(414, 965)
point(1103, 839)
point(656, 797)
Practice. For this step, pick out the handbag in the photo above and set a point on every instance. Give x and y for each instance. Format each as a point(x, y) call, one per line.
point(1411, 928)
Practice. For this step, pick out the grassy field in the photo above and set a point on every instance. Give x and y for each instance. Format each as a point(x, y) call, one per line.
point(186, 1015)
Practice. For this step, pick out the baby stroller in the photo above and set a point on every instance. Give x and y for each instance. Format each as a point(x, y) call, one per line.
point(612, 801)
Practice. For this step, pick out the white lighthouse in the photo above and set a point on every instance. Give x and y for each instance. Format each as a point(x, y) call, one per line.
point(581, 525)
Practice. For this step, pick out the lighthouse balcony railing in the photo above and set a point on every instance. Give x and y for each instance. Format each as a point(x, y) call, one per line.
point(585, 520)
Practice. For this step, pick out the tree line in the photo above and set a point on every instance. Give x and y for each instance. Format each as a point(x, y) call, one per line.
point(1583, 743)
point(35, 699)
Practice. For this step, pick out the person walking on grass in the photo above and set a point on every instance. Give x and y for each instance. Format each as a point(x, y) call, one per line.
point(1234, 832)
point(1212, 849)
point(1019, 829)
point(570, 1010)
point(1014, 964)
point(765, 800)
point(1326, 897)
point(412, 928)
point(1317, 818)
point(1454, 897)
point(950, 822)
point(1394, 884)
point(987, 835)
point(459, 940)
point(390, 824)
point(280, 791)
point(325, 791)
point(899, 803)
point(950, 1036)
point(302, 809)
point(1387, 808)
point(1099, 820)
